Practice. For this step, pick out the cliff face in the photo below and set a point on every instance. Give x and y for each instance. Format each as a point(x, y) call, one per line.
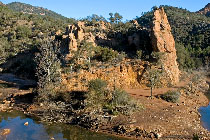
point(163, 42)
point(127, 74)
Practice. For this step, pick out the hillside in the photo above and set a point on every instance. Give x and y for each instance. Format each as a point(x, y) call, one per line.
point(205, 10)
point(22, 32)
point(29, 9)
point(191, 32)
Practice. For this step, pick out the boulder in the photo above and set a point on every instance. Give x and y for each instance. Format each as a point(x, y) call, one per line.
point(5, 132)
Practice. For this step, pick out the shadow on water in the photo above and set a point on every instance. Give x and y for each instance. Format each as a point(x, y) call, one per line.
point(41, 131)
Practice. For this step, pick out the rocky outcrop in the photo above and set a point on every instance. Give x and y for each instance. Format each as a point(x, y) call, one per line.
point(74, 35)
point(126, 74)
point(1, 4)
point(163, 42)
point(205, 10)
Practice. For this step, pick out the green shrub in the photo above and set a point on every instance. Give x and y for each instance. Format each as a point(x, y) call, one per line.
point(97, 94)
point(196, 137)
point(139, 54)
point(105, 54)
point(120, 97)
point(99, 98)
point(23, 32)
point(171, 96)
point(123, 103)
point(97, 85)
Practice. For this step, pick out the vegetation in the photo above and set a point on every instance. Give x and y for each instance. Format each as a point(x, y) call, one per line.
point(100, 98)
point(20, 32)
point(48, 70)
point(154, 79)
point(123, 103)
point(115, 18)
point(29, 9)
point(105, 54)
point(171, 96)
point(29, 33)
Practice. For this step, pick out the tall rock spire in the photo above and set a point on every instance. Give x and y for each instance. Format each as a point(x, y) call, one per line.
point(163, 41)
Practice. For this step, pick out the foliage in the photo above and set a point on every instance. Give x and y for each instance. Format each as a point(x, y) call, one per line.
point(48, 70)
point(196, 137)
point(121, 102)
point(93, 19)
point(115, 18)
point(139, 54)
point(154, 79)
point(29, 9)
point(171, 96)
point(100, 98)
point(21, 32)
point(96, 96)
point(98, 86)
point(183, 57)
point(105, 54)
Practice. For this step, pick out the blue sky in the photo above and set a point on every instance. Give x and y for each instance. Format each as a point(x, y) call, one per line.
point(129, 9)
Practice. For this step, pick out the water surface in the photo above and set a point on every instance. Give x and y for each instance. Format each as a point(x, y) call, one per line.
point(40, 131)
point(205, 116)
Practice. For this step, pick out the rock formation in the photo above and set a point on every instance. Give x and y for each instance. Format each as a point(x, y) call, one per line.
point(75, 34)
point(1, 4)
point(163, 42)
point(127, 74)
point(205, 10)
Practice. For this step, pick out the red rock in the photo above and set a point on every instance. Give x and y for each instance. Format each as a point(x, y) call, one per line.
point(163, 42)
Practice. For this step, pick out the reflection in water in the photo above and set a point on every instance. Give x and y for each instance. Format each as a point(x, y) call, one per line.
point(39, 131)
point(205, 116)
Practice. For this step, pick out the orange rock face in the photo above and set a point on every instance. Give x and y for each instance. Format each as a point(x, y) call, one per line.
point(163, 41)
point(75, 33)
point(127, 74)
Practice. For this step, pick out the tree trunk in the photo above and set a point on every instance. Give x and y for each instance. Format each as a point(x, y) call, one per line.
point(151, 92)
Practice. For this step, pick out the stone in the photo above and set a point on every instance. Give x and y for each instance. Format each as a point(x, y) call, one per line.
point(5, 132)
point(26, 123)
point(73, 35)
point(125, 75)
point(158, 135)
point(163, 42)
